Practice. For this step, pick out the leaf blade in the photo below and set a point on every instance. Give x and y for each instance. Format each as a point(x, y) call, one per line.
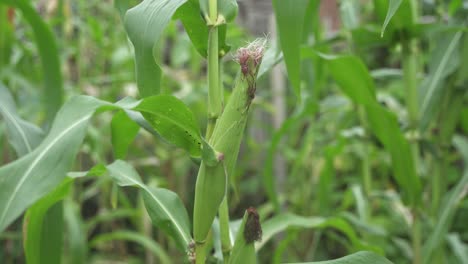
point(144, 24)
point(163, 206)
point(173, 120)
point(362, 257)
point(393, 6)
point(22, 135)
point(290, 17)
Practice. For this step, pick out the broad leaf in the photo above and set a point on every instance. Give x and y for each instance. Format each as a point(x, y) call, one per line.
point(43, 226)
point(164, 207)
point(393, 6)
point(29, 178)
point(77, 248)
point(362, 257)
point(49, 55)
point(173, 120)
point(445, 59)
point(290, 20)
point(395, 15)
point(123, 5)
point(144, 24)
point(123, 130)
point(458, 247)
point(197, 30)
point(22, 135)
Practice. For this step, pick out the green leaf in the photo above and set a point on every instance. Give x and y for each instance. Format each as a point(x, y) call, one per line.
point(458, 247)
point(173, 120)
point(49, 55)
point(356, 83)
point(77, 248)
point(6, 38)
point(444, 61)
point(123, 5)
point(393, 6)
point(144, 24)
point(164, 207)
point(396, 15)
point(43, 224)
point(354, 79)
point(227, 10)
point(140, 239)
point(22, 135)
point(123, 131)
point(195, 25)
point(43, 227)
point(362, 257)
point(448, 208)
point(209, 155)
point(290, 20)
point(27, 179)
point(197, 30)
point(281, 222)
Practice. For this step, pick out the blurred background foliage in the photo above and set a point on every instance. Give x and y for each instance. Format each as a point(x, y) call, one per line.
point(315, 152)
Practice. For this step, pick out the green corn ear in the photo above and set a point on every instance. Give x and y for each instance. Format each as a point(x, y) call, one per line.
point(226, 139)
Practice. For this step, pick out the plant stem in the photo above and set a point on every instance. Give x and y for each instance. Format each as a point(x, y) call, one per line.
point(416, 238)
point(215, 99)
point(215, 91)
point(215, 107)
point(215, 94)
point(410, 79)
point(410, 71)
point(213, 10)
point(366, 171)
point(224, 230)
point(200, 252)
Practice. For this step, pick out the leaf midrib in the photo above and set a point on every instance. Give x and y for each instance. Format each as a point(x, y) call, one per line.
point(36, 161)
point(18, 127)
point(144, 187)
point(438, 72)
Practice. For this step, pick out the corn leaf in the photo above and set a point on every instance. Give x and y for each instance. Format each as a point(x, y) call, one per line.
point(49, 55)
point(290, 20)
point(362, 257)
point(123, 130)
point(26, 180)
point(164, 207)
point(173, 120)
point(22, 135)
point(144, 24)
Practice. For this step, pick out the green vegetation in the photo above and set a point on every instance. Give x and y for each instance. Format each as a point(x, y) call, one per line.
point(369, 165)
